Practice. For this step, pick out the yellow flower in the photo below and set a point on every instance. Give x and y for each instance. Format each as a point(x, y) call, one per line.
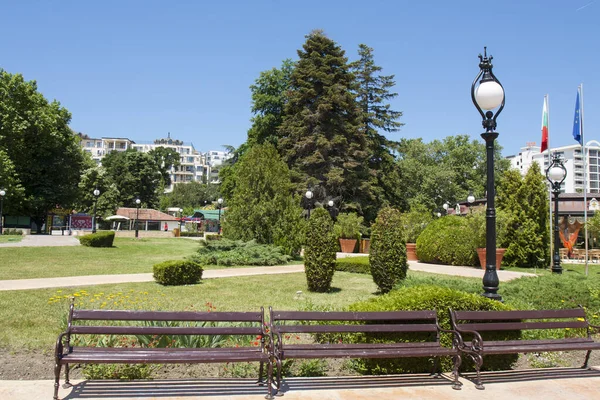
point(59, 291)
point(580, 319)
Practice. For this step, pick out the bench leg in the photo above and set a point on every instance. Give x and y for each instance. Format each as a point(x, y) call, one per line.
point(278, 384)
point(478, 359)
point(435, 372)
point(67, 384)
point(57, 367)
point(457, 361)
point(587, 359)
point(269, 395)
point(260, 380)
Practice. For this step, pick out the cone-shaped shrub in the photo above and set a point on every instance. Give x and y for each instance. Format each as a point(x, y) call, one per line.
point(387, 257)
point(319, 251)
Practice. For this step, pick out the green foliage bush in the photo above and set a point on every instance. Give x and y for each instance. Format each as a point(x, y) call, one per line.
point(359, 265)
point(177, 272)
point(414, 222)
point(98, 239)
point(228, 252)
point(428, 298)
point(319, 251)
point(348, 226)
point(118, 371)
point(191, 234)
point(387, 256)
point(12, 232)
point(448, 240)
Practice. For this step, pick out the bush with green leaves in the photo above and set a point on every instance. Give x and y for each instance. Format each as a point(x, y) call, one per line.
point(448, 240)
point(415, 221)
point(428, 298)
point(12, 232)
point(359, 265)
point(387, 256)
point(124, 372)
point(349, 226)
point(177, 272)
point(319, 251)
point(228, 252)
point(98, 239)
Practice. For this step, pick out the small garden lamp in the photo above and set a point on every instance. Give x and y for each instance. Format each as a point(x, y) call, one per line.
point(219, 205)
point(556, 174)
point(96, 194)
point(470, 199)
point(487, 94)
point(180, 219)
point(309, 196)
point(332, 209)
point(446, 206)
point(137, 216)
point(2, 194)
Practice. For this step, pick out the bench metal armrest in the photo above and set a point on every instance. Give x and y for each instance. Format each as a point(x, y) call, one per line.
point(476, 342)
point(457, 340)
point(595, 327)
point(58, 351)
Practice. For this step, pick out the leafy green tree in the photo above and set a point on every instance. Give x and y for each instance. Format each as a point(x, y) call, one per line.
point(262, 207)
point(136, 175)
point(44, 152)
point(320, 136)
point(373, 93)
point(165, 158)
point(95, 177)
point(192, 195)
point(13, 198)
point(320, 251)
point(524, 200)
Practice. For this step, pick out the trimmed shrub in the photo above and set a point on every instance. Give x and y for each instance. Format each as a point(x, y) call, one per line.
point(191, 234)
point(177, 272)
point(448, 240)
point(98, 239)
point(429, 298)
point(235, 252)
point(387, 256)
point(357, 265)
point(12, 232)
point(319, 251)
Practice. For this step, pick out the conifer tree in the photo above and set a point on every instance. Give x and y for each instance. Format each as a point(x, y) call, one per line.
point(320, 137)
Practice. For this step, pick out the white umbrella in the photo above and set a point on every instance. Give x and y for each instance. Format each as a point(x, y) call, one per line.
point(116, 218)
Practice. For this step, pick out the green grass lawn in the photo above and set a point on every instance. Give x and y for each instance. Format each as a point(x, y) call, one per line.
point(126, 257)
point(10, 238)
point(32, 319)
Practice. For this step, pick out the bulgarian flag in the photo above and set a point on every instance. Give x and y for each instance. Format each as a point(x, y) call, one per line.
point(545, 125)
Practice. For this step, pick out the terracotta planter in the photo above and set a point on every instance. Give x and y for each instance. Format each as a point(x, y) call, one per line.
point(347, 245)
point(481, 252)
point(411, 252)
point(365, 245)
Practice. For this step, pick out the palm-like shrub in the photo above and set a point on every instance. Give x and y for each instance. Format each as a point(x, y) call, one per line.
point(387, 257)
point(319, 251)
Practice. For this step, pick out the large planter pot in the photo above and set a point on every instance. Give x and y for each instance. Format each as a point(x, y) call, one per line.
point(365, 245)
point(481, 252)
point(347, 245)
point(411, 252)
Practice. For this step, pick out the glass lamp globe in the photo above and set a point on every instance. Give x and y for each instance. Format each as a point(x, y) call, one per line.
point(556, 174)
point(330, 203)
point(220, 201)
point(2, 193)
point(309, 194)
point(96, 192)
point(489, 95)
point(137, 201)
point(470, 199)
point(446, 206)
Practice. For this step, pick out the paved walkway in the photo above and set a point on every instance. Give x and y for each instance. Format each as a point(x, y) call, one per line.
point(41, 283)
point(43, 241)
point(555, 384)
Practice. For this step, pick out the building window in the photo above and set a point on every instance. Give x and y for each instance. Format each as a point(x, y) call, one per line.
point(593, 153)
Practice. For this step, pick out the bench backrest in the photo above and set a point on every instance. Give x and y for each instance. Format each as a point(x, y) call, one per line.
point(167, 323)
point(486, 321)
point(357, 322)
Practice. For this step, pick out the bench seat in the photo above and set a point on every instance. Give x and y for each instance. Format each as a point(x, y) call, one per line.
point(365, 350)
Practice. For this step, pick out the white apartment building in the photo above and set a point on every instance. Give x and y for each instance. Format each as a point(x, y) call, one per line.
point(573, 161)
point(214, 160)
point(98, 148)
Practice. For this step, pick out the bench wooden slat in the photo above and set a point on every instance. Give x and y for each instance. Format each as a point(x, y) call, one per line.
point(225, 355)
point(120, 315)
point(513, 326)
point(159, 330)
point(369, 353)
point(381, 328)
point(519, 314)
point(531, 348)
point(353, 316)
point(339, 346)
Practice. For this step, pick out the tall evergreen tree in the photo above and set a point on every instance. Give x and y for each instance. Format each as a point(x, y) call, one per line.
point(373, 93)
point(320, 137)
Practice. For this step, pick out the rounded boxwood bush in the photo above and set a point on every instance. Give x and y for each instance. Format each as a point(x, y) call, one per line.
point(319, 251)
point(448, 240)
point(428, 297)
point(98, 239)
point(387, 256)
point(177, 272)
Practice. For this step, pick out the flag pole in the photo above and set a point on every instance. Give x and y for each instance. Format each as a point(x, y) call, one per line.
point(585, 173)
point(547, 104)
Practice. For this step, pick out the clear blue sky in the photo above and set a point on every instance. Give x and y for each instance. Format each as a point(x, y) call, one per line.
point(140, 69)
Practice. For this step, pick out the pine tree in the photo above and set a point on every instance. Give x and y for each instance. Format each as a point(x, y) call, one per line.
point(320, 137)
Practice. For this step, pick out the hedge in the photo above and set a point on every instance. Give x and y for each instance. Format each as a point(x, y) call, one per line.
point(98, 239)
point(449, 240)
point(358, 265)
point(177, 272)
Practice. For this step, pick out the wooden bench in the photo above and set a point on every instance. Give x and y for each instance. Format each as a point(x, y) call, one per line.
point(93, 322)
point(476, 323)
point(283, 323)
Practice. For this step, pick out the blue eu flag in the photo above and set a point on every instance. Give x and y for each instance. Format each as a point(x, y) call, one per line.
point(577, 123)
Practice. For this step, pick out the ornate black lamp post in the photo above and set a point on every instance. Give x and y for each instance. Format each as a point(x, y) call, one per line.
point(180, 219)
point(446, 206)
point(137, 216)
point(96, 194)
point(2, 194)
point(489, 95)
point(333, 211)
point(556, 174)
point(470, 200)
point(309, 195)
point(220, 205)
